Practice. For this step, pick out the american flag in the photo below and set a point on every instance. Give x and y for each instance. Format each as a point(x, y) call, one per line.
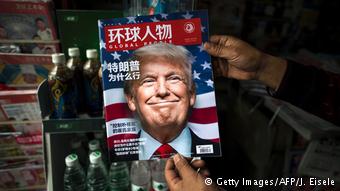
point(203, 121)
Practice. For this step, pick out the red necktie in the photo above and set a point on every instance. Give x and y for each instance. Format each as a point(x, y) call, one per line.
point(164, 151)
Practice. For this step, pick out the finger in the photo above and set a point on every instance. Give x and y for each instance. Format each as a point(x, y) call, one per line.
point(223, 40)
point(171, 176)
point(204, 172)
point(220, 50)
point(198, 164)
point(183, 167)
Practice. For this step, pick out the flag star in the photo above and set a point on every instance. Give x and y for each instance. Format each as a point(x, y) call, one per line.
point(193, 59)
point(187, 15)
point(104, 66)
point(197, 75)
point(131, 19)
point(126, 51)
point(154, 19)
point(210, 83)
point(201, 47)
point(116, 56)
point(164, 16)
point(102, 44)
point(206, 65)
point(202, 28)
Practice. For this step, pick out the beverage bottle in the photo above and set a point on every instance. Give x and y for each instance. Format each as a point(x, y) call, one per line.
point(119, 177)
point(94, 145)
point(74, 63)
point(96, 177)
point(140, 176)
point(76, 148)
point(101, 137)
point(62, 87)
point(92, 84)
point(157, 174)
point(74, 176)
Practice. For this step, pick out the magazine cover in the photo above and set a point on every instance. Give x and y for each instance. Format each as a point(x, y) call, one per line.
point(24, 70)
point(20, 106)
point(159, 94)
point(25, 20)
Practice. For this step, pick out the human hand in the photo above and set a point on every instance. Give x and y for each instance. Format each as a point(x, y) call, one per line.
point(244, 61)
point(181, 176)
point(237, 59)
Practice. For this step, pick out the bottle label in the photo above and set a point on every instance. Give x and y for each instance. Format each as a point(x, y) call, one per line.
point(138, 188)
point(63, 101)
point(93, 94)
point(159, 186)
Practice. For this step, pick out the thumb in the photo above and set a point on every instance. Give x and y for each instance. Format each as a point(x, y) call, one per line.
point(220, 50)
point(183, 167)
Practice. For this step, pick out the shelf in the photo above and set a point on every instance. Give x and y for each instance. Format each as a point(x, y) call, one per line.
point(73, 125)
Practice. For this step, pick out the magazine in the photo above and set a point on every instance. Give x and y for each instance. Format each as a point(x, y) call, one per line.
point(23, 20)
point(159, 93)
point(24, 71)
point(27, 27)
point(19, 112)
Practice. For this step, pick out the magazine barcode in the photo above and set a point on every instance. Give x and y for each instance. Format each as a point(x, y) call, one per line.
point(204, 149)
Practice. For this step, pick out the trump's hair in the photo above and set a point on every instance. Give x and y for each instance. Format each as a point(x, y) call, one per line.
point(171, 53)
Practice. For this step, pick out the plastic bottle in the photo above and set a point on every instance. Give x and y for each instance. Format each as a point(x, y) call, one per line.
point(101, 137)
point(140, 176)
point(119, 177)
point(94, 145)
point(74, 63)
point(96, 177)
point(76, 147)
point(92, 84)
point(157, 174)
point(74, 176)
point(62, 87)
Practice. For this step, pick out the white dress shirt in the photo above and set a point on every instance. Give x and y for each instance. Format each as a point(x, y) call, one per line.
point(45, 34)
point(182, 144)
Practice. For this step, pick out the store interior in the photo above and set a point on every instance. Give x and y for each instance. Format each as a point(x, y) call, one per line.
point(261, 137)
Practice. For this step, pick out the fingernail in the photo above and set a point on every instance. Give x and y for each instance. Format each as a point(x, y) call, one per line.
point(177, 158)
point(206, 45)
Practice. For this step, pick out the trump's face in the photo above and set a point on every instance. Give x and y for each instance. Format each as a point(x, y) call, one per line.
point(162, 98)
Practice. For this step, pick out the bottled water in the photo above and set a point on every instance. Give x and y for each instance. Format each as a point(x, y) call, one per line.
point(140, 176)
point(157, 174)
point(119, 177)
point(74, 176)
point(76, 148)
point(96, 177)
point(94, 146)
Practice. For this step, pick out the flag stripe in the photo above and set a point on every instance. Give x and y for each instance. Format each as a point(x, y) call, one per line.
point(113, 96)
point(205, 131)
point(203, 115)
point(205, 100)
point(117, 111)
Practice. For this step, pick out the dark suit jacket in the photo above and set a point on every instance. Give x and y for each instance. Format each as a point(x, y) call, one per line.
point(312, 89)
point(195, 141)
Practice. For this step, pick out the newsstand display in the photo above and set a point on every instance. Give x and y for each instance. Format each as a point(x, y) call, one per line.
point(70, 119)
